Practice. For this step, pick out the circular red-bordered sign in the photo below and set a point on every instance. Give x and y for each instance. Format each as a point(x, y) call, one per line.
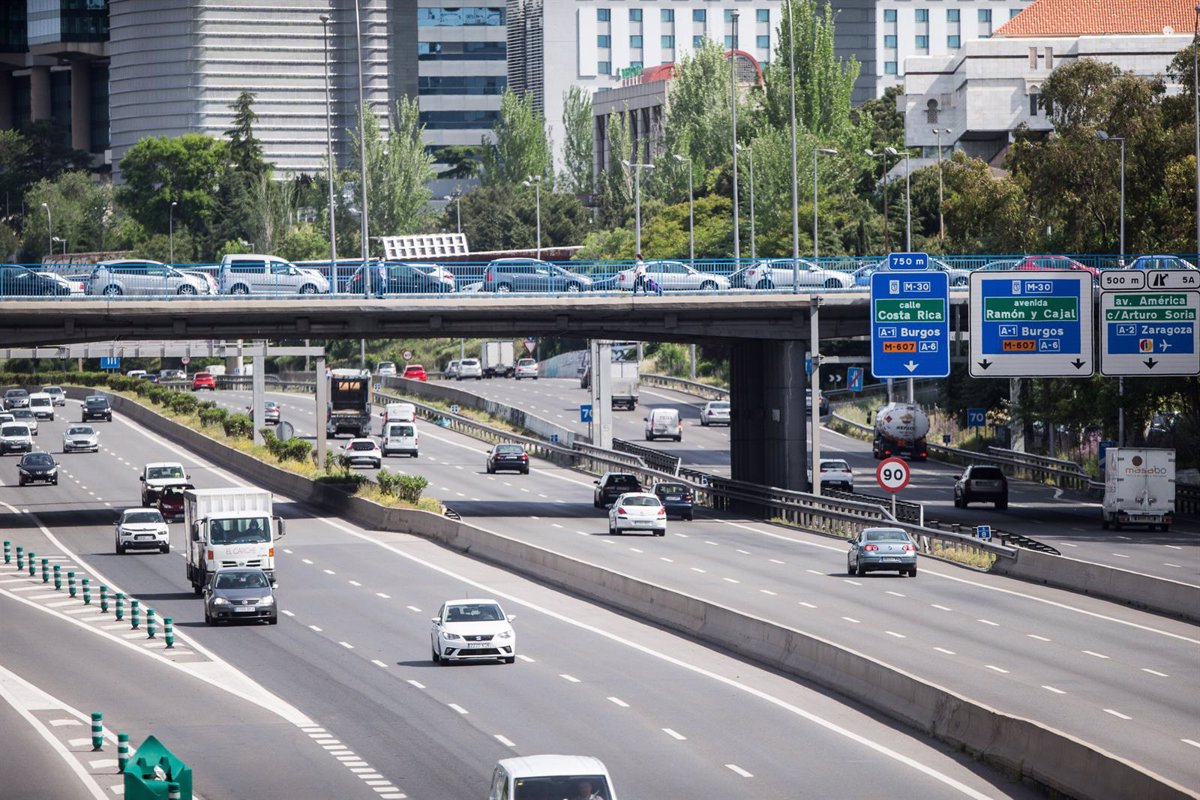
point(893, 474)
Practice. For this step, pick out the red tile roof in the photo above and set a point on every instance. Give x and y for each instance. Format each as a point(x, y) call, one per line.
point(1100, 17)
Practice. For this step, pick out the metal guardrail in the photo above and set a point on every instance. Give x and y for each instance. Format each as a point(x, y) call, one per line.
point(705, 390)
point(655, 459)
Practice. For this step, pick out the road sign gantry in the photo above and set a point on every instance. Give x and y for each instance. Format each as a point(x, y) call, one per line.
point(910, 320)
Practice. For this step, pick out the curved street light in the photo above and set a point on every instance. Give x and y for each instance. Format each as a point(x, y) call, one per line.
point(887, 239)
point(536, 182)
point(49, 228)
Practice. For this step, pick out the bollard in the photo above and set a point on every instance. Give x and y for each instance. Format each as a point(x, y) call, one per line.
point(173, 792)
point(149, 623)
point(20, 557)
point(32, 564)
point(122, 751)
point(133, 613)
point(97, 732)
point(120, 606)
point(57, 578)
point(7, 551)
point(45, 570)
point(71, 582)
point(169, 631)
point(103, 598)
point(87, 593)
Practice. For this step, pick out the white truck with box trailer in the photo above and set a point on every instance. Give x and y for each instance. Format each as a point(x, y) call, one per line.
point(231, 527)
point(498, 359)
point(1139, 487)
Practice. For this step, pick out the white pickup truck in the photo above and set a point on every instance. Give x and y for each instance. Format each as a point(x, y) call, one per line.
point(230, 527)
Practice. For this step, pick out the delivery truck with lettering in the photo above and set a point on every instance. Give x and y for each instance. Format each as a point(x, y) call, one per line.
point(1139, 487)
point(232, 527)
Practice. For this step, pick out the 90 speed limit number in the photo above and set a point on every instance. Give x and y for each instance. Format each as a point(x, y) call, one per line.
point(893, 474)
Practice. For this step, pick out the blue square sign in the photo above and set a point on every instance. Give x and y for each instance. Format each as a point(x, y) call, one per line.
point(854, 379)
point(585, 412)
point(910, 324)
point(110, 362)
point(976, 417)
point(983, 531)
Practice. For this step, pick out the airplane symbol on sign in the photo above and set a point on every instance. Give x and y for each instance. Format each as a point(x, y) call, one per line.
point(1163, 344)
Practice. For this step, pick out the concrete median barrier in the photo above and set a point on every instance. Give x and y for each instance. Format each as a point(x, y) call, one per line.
point(1020, 747)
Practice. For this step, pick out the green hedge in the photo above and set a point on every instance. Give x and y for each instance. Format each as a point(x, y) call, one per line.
point(56, 378)
point(292, 450)
point(213, 416)
point(239, 426)
point(406, 487)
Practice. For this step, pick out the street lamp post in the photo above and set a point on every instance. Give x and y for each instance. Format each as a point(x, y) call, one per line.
point(829, 151)
point(536, 182)
point(887, 240)
point(891, 151)
point(750, 153)
point(49, 228)
point(329, 147)
point(941, 195)
point(637, 201)
point(1104, 137)
point(795, 174)
point(362, 147)
point(691, 212)
point(733, 100)
point(171, 230)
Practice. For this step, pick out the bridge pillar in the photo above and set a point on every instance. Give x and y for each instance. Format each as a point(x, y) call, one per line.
point(769, 436)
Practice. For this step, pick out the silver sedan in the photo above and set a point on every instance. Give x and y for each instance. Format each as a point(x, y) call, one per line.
point(80, 438)
point(875, 549)
point(781, 273)
point(675, 276)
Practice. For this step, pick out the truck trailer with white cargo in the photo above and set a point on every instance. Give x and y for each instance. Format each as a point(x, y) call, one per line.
point(231, 527)
point(498, 359)
point(1139, 487)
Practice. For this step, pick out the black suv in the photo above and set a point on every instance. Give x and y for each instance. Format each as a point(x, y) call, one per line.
point(612, 485)
point(97, 407)
point(981, 482)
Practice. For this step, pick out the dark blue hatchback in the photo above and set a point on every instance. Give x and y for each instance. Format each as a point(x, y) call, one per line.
point(677, 499)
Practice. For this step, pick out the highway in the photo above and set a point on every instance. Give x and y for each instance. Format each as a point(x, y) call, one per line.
point(1110, 675)
point(349, 667)
point(1068, 520)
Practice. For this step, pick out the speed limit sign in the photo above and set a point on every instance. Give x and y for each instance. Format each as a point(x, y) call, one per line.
point(407, 354)
point(893, 474)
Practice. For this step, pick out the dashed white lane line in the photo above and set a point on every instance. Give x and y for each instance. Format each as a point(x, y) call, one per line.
point(287, 613)
point(616, 701)
point(776, 561)
point(458, 708)
point(504, 740)
point(1192, 742)
point(330, 572)
point(807, 605)
point(569, 678)
point(315, 628)
point(415, 684)
point(355, 583)
point(525, 658)
point(384, 596)
point(378, 663)
point(1001, 670)
point(944, 650)
point(989, 622)
point(897, 635)
point(1096, 655)
point(896, 594)
point(1052, 689)
point(940, 608)
point(768, 591)
point(851, 620)
point(698, 569)
point(852, 583)
point(1155, 672)
point(674, 735)
point(739, 770)
point(1035, 636)
point(730, 580)
point(307, 560)
point(413, 608)
point(1117, 714)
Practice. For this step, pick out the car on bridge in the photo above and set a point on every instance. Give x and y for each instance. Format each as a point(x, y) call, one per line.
point(1160, 262)
point(472, 630)
point(138, 277)
point(37, 467)
point(396, 278)
point(531, 275)
point(18, 281)
point(80, 438)
point(674, 276)
point(250, 273)
point(239, 593)
point(142, 528)
point(204, 380)
point(882, 549)
point(778, 273)
point(637, 511)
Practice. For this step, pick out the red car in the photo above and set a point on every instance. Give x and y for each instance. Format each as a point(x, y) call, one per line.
point(1055, 262)
point(415, 372)
point(204, 380)
point(170, 500)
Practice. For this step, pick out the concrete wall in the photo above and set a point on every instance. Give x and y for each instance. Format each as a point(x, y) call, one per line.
point(1019, 746)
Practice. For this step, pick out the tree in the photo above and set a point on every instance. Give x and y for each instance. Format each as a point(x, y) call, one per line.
point(698, 125)
point(522, 146)
point(983, 213)
point(577, 151)
point(883, 123)
point(186, 169)
point(504, 217)
point(247, 189)
point(78, 206)
point(245, 151)
point(616, 184)
point(461, 160)
point(398, 169)
point(823, 81)
point(304, 242)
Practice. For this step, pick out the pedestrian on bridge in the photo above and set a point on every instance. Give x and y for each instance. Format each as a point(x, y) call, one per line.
point(639, 276)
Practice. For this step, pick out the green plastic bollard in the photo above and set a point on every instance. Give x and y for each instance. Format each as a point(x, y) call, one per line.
point(32, 563)
point(122, 751)
point(173, 792)
point(87, 593)
point(71, 582)
point(149, 623)
point(103, 598)
point(20, 557)
point(169, 631)
point(57, 578)
point(7, 551)
point(97, 732)
point(134, 611)
point(45, 570)
point(120, 606)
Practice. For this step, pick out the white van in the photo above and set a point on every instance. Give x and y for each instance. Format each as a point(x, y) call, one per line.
point(400, 437)
point(664, 423)
point(399, 412)
point(42, 405)
point(536, 777)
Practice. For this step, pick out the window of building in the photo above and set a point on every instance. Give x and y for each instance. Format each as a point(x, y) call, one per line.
point(460, 119)
point(889, 68)
point(1012, 12)
point(461, 51)
point(931, 112)
point(635, 65)
point(697, 42)
point(953, 15)
point(763, 42)
point(603, 15)
point(889, 41)
point(729, 15)
point(668, 15)
point(922, 42)
point(763, 15)
point(635, 15)
point(985, 15)
point(462, 84)
point(954, 41)
point(699, 15)
point(728, 42)
point(889, 15)
point(1033, 105)
point(603, 41)
point(457, 17)
point(604, 67)
point(635, 42)
point(922, 15)
point(668, 42)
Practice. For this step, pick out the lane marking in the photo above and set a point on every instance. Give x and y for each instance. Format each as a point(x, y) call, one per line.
point(415, 684)
point(739, 770)
point(1035, 636)
point(1052, 689)
point(616, 701)
point(1117, 714)
point(680, 737)
point(504, 740)
point(569, 678)
point(458, 708)
point(1097, 655)
point(1001, 670)
point(1155, 672)
point(944, 650)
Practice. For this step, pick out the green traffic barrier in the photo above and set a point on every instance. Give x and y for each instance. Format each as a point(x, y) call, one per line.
point(45, 570)
point(57, 578)
point(32, 564)
point(20, 557)
point(155, 773)
point(7, 551)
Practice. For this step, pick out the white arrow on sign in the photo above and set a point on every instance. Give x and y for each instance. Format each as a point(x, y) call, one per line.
point(911, 365)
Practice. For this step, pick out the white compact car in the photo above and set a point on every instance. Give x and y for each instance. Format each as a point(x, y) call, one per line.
point(42, 406)
point(715, 412)
point(15, 437)
point(363, 452)
point(142, 528)
point(385, 369)
point(472, 630)
point(551, 776)
point(469, 368)
point(56, 394)
point(526, 368)
point(836, 474)
point(638, 511)
point(157, 475)
point(401, 437)
point(80, 438)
